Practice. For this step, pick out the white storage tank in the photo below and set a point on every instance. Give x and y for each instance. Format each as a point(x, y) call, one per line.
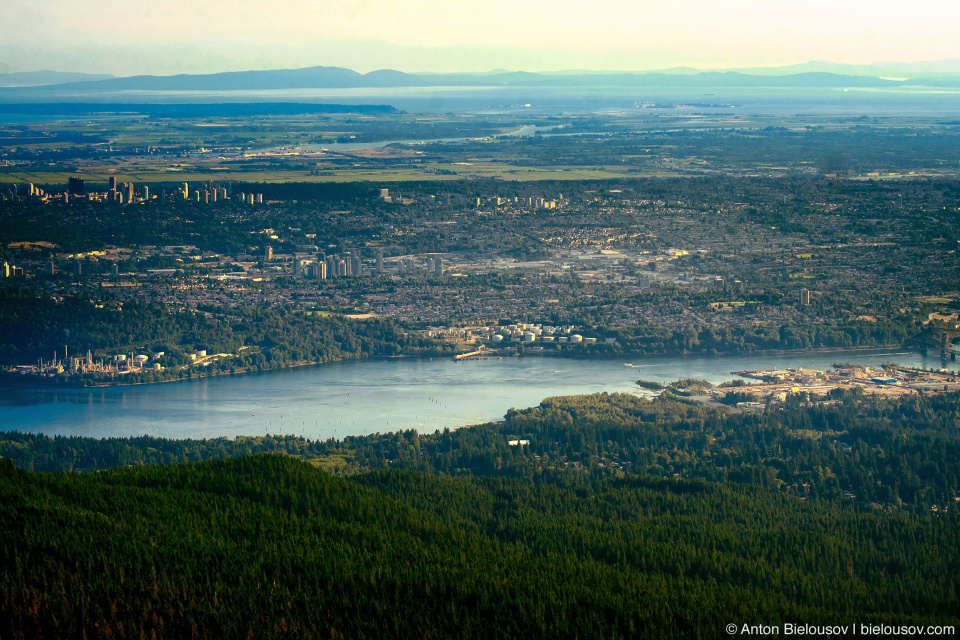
point(497, 337)
point(576, 338)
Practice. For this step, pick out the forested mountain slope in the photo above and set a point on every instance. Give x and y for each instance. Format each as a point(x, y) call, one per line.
point(268, 546)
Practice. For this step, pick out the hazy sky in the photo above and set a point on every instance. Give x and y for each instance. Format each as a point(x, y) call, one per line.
point(170, 36)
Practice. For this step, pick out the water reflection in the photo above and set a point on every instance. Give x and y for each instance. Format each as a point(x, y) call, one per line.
point(358, 398)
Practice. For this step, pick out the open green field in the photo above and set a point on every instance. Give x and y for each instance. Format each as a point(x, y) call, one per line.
point(198, 174)
point(626, 144)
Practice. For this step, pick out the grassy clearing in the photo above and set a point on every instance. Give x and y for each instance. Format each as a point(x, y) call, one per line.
point(154, 174)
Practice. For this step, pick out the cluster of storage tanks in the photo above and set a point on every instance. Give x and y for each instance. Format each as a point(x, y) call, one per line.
point(534, 332)
point(138, 360)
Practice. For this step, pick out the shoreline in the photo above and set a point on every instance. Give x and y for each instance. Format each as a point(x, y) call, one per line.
point(24, 381)
point(359, 397)
point(14, 380)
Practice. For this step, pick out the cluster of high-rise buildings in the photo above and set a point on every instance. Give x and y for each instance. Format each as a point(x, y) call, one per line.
point(127, 193)
point(210, 193)
point(11, 271)
point(250, 198)
point(456, 199)
point(433, 265)
point(345, 265)
point(532, 202)
point(29, 193)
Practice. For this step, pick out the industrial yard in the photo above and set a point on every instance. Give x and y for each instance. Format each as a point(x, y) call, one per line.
point(778, 385)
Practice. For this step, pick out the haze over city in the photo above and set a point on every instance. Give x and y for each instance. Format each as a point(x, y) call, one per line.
point(126, 38)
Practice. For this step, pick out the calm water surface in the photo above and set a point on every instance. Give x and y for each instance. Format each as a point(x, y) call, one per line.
point(359, 398)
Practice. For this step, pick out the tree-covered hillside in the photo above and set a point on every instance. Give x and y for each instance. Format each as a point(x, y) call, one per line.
point(251, 337)
point(875, 453)
point(268, 546)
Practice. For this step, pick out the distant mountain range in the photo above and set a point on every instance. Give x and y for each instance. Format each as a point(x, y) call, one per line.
point(40, 78)
point(813, 74)
point(912, 70)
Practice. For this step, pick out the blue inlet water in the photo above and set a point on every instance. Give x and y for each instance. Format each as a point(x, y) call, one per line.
point(359, 398)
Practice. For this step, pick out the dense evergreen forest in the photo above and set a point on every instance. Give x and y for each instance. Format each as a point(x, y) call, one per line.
point(622, 517)
point(883, 454)
point(268, 546)
point(656, 339)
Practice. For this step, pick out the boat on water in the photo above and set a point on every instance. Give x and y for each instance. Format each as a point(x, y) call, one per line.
point(628, 365)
